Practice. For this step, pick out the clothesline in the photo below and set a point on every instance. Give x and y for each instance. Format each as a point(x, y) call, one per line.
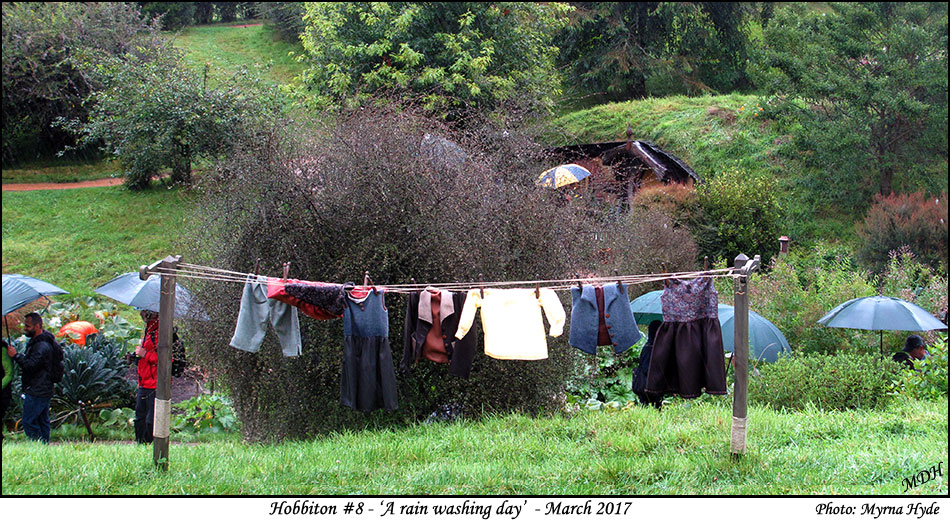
point(203, 272)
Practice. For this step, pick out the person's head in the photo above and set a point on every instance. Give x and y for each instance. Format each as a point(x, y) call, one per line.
point(148, 316)
point(916, 347)
point(32, 324)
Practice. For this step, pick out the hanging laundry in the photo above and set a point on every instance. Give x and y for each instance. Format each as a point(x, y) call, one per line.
point(687, 353)
point(640, 373)
point(369, 378)
point(432, 318)
point(511, 319)
point(256, 311)
point(319, 300)
point(601, 316)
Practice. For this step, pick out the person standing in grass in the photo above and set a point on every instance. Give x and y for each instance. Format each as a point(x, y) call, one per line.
point(147, 355)
point(6, 396)
point(36, 363)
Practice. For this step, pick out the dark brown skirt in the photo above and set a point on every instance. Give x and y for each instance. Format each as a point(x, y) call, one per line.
point(369, 378)
point(687, 358)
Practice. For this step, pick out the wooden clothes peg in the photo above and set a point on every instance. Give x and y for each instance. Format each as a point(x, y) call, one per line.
point(286, 270)
point(257, 267)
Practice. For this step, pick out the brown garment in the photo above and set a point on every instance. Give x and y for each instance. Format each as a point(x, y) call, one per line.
point(419, 325)
point(603, 335)
point(433, 349)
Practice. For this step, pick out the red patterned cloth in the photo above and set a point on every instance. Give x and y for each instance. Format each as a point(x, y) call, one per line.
point(276, 289)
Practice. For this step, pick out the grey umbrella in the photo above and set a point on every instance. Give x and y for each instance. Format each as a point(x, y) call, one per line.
point(19, 290)
point(766, 342)
point(880, 313)
point(131, 290)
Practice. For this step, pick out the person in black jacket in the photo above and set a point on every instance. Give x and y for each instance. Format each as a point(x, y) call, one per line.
point(35, 364)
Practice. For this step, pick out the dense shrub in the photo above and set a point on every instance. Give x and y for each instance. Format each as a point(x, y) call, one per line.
point(913, 220)
point(287, 17)
point(160, 113)
point(831, 382)
point(173, 15)
point(42, 79)
point(458, 55)
point(370, 192)
point(736, 213)
point(928, 378)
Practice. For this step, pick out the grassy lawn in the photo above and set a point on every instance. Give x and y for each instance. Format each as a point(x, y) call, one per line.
point(55, 171)
point(681, 450)
point(228, 48)
point(79, 239)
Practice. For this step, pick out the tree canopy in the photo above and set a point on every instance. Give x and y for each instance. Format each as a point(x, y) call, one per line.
point(456, 56)
point(867, 83)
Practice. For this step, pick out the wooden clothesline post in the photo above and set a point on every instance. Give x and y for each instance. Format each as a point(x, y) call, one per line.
point(161, 428)
point(740, 356)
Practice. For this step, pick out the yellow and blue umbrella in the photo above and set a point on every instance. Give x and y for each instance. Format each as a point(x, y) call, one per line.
point(563, 175)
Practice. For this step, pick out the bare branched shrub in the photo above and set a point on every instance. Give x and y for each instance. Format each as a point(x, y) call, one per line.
point(401, 196)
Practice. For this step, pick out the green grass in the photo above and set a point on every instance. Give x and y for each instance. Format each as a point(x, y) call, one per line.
point(79, 239)
point(56, 171)
point(227, 48)
point(681, 450)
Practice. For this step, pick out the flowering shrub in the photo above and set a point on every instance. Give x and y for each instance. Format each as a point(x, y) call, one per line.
point(912, 220)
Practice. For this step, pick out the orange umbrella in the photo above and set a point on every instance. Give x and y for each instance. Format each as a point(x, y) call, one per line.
point(77, 331)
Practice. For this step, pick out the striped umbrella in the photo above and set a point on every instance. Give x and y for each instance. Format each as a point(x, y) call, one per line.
point(562, 175)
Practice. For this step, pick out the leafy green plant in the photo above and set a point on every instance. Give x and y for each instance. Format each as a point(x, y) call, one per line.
point(736, 212)
point(928, 378)
point(121, 417)
point(95, 376)
point(457, 56)
point(605, 380)
point(205, 413)
point(829, 382)
point(105, 315)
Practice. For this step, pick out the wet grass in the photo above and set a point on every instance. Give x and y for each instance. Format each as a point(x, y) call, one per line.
point(682, 450)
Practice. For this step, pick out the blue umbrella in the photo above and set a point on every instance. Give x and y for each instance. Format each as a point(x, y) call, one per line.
point(766, 342)
point(647, 308)
point(18, 290)
point(562, 175)
point(131, 290)
point(880, 313)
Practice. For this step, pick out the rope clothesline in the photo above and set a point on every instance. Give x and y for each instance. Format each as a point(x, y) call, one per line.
point(203, 272)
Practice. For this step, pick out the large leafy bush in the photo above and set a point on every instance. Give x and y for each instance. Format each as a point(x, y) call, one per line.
point(928, 378)
point(831, 382)
point(455, 55)
point(42, 75)
point(95, 376)
point(159, 113)
point(370, 191)
point(913, 220)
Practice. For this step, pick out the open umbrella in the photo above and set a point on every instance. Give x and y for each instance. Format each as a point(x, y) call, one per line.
point(562, 175)
point(880, 313)
point(19, 290)
point(766, 342)
point(647, 308)
point(131, 290)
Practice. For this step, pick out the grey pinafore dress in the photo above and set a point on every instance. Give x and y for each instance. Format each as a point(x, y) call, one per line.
point(368, 381)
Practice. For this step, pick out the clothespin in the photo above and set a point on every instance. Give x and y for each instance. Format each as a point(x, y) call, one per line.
point(705, 263)
point(537, 288)
point(619, 285)
point(580, 284)
point(286, 270)
point(482, 288)
point(257, 267)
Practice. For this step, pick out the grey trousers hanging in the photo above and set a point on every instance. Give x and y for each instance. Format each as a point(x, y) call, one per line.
point(256, 311)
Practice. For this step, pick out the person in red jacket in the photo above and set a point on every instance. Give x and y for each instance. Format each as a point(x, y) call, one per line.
point(148, 372)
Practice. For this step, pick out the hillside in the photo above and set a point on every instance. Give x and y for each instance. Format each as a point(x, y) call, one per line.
point(228, 47)
point(714, 134)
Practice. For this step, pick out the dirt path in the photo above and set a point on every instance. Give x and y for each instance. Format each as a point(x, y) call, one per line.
point(103, 182)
